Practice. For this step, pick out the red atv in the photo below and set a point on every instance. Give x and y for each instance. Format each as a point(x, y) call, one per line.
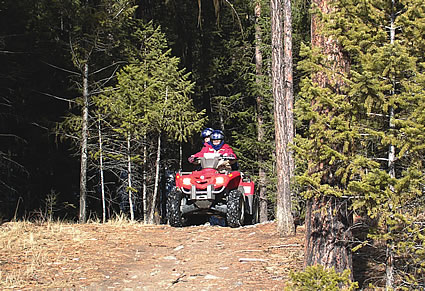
point(213, 191)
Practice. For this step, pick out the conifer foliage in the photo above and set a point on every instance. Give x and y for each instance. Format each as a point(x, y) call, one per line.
point(367, 143)
point(151, 99)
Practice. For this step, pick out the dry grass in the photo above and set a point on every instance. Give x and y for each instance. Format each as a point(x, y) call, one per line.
point(60, 255)
point(48, 255)
point(40, 255)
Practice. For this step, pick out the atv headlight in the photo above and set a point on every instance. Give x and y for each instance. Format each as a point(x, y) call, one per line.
point(186, 181)
point(219, 180)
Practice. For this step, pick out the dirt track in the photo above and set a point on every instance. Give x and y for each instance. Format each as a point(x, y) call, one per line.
point(208, 258)
point(140, 257)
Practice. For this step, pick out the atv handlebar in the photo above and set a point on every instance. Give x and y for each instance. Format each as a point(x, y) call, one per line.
point(213, 161)
point(226, 158)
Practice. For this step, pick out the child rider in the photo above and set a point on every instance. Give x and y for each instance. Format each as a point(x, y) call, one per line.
point(215, 145)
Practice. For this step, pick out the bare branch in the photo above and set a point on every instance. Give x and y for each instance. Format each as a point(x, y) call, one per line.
point(104, 68)
point(61, 69)
point(12, 135)
point(38, 125)
point(10, 53)
point(56, 97)
point(236, 13)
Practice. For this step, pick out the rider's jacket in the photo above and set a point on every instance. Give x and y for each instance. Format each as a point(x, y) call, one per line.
point(225, 150)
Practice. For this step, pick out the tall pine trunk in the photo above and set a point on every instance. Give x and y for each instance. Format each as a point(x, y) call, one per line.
point(157, 165)
point(102, 181)
point(260, 118)
point(84, 137)
point(145, 194)
point(285, 221)
point(289, 83)
point(328, 221)
point(156, 186)
point(389, 262)
point(129, 177)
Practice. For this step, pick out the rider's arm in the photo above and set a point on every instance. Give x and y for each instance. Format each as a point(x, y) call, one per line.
point(227, 151)
point(204, 150)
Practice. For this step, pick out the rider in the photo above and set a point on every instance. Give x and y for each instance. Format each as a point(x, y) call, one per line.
point(206, 133)
point(218, 145)
point(215, 145)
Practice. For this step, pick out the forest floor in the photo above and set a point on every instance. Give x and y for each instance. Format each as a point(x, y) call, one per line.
point(133, 256)
point(120, 255)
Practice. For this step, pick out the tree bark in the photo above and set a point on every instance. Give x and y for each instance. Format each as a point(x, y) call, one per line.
point(285, 221)
point(155, 192)
point(260, 118)
point(129, 177)
point(102, 182)
point(289, 83)
point(389, 261)
point(145, 197)
point(84, 137)
point(328, 220)
point(337, 61)
point(327, 238)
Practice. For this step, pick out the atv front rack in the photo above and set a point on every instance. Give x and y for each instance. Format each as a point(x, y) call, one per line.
point(207, 194)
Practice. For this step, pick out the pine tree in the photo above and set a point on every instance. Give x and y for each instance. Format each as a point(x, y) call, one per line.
point(372, 140)
point(389, 71)
point(328, 221)
point(91, 29)
point(152, 98)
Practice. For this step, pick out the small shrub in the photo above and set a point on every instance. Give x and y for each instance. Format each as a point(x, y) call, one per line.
point(319, 278)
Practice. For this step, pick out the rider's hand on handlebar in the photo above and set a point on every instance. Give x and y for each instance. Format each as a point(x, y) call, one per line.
point(191, 159)
point(228, 157)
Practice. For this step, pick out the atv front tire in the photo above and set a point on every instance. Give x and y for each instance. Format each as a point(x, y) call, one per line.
point(173, 208)
point(235, 208)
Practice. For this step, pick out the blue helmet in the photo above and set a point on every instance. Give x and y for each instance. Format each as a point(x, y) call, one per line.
point(206, 132)
point(217, 134)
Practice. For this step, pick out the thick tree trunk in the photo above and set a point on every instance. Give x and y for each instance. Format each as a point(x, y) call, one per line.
point(84, 136)
point(328, 234)
point(328, 220)
point(129, 177)
point(337, 61)
point(289, 83)
point(102, 182)
point(260, 122)
point(285, 221)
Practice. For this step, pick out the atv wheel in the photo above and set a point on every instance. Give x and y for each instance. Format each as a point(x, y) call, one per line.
point(235, 208)
point(254, 217)
point(173, 208)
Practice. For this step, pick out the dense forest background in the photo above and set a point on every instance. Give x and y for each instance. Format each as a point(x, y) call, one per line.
point(44, 47)
point(106, 97)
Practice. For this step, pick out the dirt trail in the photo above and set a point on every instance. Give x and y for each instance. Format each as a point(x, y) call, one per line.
point(133, 256)
point(207, 258)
